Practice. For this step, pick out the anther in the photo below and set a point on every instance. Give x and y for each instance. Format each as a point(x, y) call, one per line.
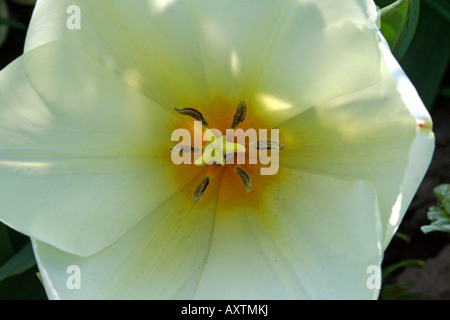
point(198, 193)
point(240, 114)
point(191, 112)
point(269, 144)
point(245, 178)
point(184, 149)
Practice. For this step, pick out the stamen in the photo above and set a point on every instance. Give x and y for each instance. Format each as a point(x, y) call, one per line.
point(240, 114)
point(183, 149)
point(198, 194)
point(245, 178)
point(192, 113)
point(269, 144)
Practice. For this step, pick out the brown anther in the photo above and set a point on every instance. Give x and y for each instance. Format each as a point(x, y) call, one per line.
point(245, 178)
point(198, 193)
point(191, 112)
point(269, 144)
point(240, 114)
point(184, 149)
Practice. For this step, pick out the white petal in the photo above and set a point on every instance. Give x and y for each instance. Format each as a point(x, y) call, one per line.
point(323, 50)
point(161, 258)
point(282, 56)
point(370, 135)
point(309, 237)
point(149, 44)
point(81, 154)
point(300, 247)
point(422, 147)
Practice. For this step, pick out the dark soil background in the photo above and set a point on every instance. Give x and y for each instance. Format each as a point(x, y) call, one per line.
point(430, 281)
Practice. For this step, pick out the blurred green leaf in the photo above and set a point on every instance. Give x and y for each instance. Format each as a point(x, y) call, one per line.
point(441, 6)
point(25, 2)
point(384, 3)
point(387, 271)
point(12, 23)
point(440, 220)
point(23, 287)
point(427, 58)
point(445, 92)
point(398, 25)
point(20, 262)
point(4, 15)
point(442, 194)
point(397, 292)
point(6, 249)
point(403, 237)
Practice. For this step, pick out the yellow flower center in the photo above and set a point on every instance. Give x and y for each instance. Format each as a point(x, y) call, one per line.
point(221, 149)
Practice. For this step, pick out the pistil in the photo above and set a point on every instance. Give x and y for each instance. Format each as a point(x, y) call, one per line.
point(217, 150)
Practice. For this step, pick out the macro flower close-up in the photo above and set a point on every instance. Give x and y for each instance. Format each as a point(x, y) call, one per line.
point(336, 141)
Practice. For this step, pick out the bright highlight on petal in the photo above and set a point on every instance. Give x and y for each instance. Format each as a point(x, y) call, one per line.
point(273, 103)
point(159, 6)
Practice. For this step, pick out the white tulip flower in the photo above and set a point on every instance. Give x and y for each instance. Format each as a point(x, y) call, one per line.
point(86, 117)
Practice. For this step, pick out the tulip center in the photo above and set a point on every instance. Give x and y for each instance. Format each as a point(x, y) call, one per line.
point(218, 149)
point(221, 149)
